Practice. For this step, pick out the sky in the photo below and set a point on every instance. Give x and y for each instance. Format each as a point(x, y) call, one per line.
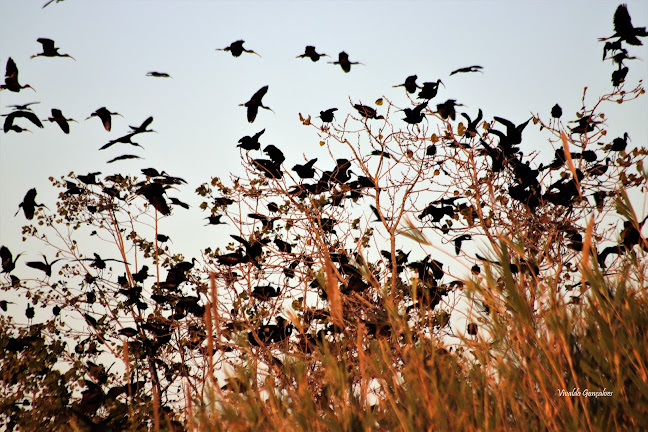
point(534, 54)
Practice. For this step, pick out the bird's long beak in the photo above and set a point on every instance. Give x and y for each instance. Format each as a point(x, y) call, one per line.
point(441, 82)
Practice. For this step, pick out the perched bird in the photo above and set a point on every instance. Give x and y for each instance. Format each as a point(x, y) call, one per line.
point(623, 28)
point(471, 129)
point(410, 84)
point(619, 75)
point(585, 124)
point(49, 50)
point(158, 74)
point(343, 61)
point(8, 123)
point(367, 112)
point(467, 69)
point(265, 292)
point(8, 261)
point(306, 170)
point(620, 144)
point(275, 154)
point(311, 53)
point(59, 118)
point(255, 103)
point(29, 204)
point(251, 142)
point(328, 115)
point(430, 89)
point(556, 111)
point(11, 78)
point(105, 116)
point(611, 46)
point(43, 266)
point(236, 48)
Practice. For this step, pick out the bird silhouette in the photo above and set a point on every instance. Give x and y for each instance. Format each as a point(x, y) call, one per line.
point(255, 103)
point(141, 275)
point(611, 46)
point(59, 119)
point(265, 292)
point(105, 116)
point(620, 144)
point(11, 78)
point(459, 240)
point(415, 115)
point(623, 28)
point(467, 69)
point(328, 115)
point(430, 89)
point(585, 124)
point(44, 266)
point(154, 194)
point(100, 263)
point(306, 170)
point(124, 157)
point(447, 109)
point(49, 50)
point(556, 111)
point(311, 53)
point(8, 261)
point(8, 123)
point(236, 49)
point(367, 112)
point(214, 220)
point(23, 107)
point(471, 129)
point(343, 61)
point(275, 154)
point(513, 134)
point(143, 127)
point(266, 222)
point(29, 204)
point(251, 142)
point(155, 74)
point(126, 139)
point(410, 84)
point(619, 75)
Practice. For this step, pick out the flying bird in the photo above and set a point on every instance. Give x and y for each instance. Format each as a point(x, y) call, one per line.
point(236, 48)
point(311, 53)
point(11, 78)
point(255, 103)
point(124, 157)
point(467, 69)
point(28, 204)
point(415, 115)
point(43, 266)
point(105, 116)
point(59, 118)
point(158, 74)
point(23, 107)
point(623, 28)
point(306, 170)
point(343, 61)
point(143, 127)
point(430, 89)
point(410, 84)
point(8, 123)
point(8, 261)
point(49, 50)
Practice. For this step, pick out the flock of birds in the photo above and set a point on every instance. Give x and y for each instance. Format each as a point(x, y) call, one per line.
point(339, 181)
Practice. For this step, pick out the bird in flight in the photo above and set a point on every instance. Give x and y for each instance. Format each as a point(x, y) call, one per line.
point(59, 118)
point(49, 50)
point(623, 28)
point(105, 116)
point(11, 78)
point(466, 69)
point(158, 74)
point(236, 48)
point(29, 204)
point(255, 103)
point(311, 53)
point(344, 62)
point(8, 123)
point(410, 84)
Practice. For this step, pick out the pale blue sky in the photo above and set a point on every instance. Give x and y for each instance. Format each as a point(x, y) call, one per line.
point(534, 54)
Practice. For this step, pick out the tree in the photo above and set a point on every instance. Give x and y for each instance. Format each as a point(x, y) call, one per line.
point(331, 304)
